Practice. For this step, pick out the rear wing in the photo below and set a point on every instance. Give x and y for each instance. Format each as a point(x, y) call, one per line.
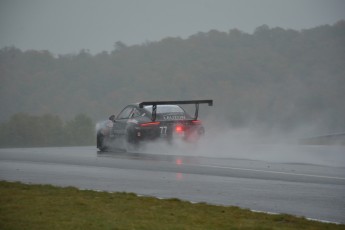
point(155, 103)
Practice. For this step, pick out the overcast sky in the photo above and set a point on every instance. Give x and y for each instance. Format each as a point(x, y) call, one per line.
point(67, 26)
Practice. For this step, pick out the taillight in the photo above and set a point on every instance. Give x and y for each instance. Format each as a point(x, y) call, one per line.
point(179, 128)
point(196, 122)
point(150, 124)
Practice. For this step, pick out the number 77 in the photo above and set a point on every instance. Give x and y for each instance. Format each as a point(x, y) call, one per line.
point(163, 129)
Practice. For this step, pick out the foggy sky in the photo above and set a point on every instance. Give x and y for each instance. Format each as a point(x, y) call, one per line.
point(67, 26)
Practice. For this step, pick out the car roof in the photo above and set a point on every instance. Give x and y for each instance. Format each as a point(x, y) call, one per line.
point(137, 104)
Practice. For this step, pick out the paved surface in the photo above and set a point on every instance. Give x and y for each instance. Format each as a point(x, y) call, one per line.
point(264, 183)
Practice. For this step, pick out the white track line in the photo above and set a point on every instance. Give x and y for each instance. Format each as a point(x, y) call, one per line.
point(267, 171)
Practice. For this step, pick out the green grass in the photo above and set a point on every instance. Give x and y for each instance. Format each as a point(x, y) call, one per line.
point(48, 207)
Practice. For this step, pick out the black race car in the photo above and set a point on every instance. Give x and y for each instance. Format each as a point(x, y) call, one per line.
point(147, 121)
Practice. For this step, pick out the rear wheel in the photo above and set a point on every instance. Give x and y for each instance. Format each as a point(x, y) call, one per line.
point(130, 142)
point(193, 136)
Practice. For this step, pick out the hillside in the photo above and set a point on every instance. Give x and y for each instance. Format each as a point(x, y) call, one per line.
point(273, 78)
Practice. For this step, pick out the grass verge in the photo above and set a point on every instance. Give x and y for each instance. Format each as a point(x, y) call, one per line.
point(47, 207)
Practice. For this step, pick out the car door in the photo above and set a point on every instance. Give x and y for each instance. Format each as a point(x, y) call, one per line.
point(120, 124)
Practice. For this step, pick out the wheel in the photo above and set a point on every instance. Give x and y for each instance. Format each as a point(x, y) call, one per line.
point(130, 143)
point(100, 142)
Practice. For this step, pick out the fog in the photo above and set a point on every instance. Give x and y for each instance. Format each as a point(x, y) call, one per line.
point(246, 143)
point(251, 145)
point(272, 86)
point(65, 26)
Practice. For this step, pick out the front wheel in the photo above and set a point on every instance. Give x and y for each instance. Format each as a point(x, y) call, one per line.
point(101, 142)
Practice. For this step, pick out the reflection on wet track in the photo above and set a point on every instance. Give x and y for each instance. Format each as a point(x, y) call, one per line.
point(305, 189)
point(179, 160)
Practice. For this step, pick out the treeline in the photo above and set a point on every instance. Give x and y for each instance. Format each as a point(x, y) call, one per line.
point(274, 78)
point(24, 130)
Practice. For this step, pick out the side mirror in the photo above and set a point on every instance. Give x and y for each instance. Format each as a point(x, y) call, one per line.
point(112, 118)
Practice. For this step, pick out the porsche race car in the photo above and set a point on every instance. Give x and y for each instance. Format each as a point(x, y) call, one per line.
point(148, 121)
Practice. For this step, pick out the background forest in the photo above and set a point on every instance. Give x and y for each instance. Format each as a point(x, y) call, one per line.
point(274, 79)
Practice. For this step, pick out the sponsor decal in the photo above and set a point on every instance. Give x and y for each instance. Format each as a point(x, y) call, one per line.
point(174, 117)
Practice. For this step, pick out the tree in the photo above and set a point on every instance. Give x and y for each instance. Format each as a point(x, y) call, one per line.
point(80, 130)
point(24, 130)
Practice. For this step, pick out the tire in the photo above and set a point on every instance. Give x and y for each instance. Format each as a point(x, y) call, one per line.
point(130, 143)
point(100, 142)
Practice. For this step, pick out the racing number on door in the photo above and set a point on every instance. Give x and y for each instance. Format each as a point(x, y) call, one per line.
point(163, 130)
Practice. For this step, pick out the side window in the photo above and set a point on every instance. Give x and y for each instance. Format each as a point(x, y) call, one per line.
point(125, 113)
point(136, 113)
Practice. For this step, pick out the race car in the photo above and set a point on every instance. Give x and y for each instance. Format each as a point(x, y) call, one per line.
point(149, 121)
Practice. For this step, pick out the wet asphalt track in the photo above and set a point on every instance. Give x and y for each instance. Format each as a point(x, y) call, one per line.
point(315, 191)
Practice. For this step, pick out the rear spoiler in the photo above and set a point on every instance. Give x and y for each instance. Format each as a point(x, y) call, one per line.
point(155, 103)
